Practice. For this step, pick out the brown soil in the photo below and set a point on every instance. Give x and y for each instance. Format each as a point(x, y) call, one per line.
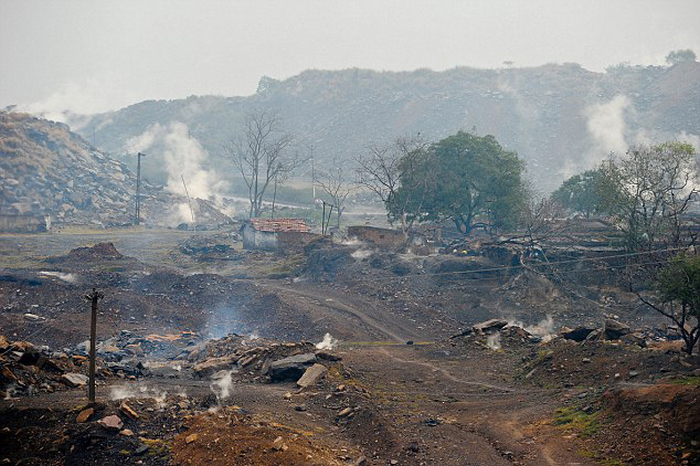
point(436, 401)
point(227, 437)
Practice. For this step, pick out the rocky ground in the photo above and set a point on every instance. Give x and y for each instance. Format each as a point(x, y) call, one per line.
point(439, 360)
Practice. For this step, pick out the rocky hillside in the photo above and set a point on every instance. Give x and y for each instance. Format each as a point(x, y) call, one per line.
point(559, 118)
point(48, 171)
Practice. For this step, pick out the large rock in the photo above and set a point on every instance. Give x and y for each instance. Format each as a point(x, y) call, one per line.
point(614, 330)
point(578, 334)
point(312, 375)
point(490, 326)
point(291, 368)
point(113, 423)
point(74, 380)
point(209, 366)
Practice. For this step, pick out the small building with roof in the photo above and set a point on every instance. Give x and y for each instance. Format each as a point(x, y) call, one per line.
point(278, 234)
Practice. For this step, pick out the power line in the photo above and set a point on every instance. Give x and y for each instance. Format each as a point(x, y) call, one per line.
point(540, 264)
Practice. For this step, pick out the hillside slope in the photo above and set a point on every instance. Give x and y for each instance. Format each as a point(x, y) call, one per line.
point(559, 118)
point(47, 170)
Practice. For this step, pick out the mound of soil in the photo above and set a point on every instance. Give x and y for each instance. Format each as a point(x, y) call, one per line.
point(98, 252)
point(652, 425)
point(566, 364)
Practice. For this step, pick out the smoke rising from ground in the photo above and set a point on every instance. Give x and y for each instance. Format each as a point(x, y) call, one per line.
point(142, 391)
point(328, 342)
point(606, 125)
point(222, 384)
point(493, 341)
point(183, 156)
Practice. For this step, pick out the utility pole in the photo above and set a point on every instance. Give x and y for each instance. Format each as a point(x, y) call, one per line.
point(93, 298)
point(313, 175)
point(138, 187)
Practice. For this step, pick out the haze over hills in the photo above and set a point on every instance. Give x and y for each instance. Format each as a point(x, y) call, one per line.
point(560, 118)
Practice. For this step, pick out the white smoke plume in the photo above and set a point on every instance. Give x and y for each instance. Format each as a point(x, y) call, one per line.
point(690, 138)
point(606, 125)
point(66, 277)
point(142, 391)
point(222, 384)
point(74, 101)
point(183, 156)
point(361, 254)
point(493, 341)
point(544, 329)
point(328, 342)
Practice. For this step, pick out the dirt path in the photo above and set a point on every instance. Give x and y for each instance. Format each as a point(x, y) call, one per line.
point(340, 305)
point(476, 421)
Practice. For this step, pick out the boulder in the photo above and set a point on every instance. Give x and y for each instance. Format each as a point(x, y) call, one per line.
point(209, 366)
point(74, 380)
point(312, 375)
point(490, 326)
point(111, 423)
point(614, 330)
point(577, 334)
point(291, 368)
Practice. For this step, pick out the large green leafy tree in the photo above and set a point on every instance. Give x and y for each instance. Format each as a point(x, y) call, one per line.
point(477, 183)
point(582, 193)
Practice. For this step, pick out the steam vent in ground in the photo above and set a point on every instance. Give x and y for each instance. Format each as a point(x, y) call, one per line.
point(494, 262)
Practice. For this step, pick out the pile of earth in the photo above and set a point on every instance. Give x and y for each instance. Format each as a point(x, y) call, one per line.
point(96, 253)
point(258, 359)
point(211, 248)
point(636, 423)
point(583, 357)
point(639, 420)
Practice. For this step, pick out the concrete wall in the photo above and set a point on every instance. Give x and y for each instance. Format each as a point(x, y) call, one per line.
point(276, 241)
point(381, 237)
point(254, 239)
point(295, 241)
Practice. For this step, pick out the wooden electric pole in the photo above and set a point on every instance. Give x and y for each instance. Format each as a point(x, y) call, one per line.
point(93, 298)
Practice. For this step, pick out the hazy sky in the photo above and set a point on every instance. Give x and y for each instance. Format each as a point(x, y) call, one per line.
point(95, 55)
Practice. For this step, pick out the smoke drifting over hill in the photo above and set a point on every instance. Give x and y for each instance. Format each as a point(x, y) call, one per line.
point(183, 157)
point(560, 119)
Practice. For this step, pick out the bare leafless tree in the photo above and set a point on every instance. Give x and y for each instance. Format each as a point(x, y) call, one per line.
point(338, 187)
point(380, 171)
point(261, 154)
